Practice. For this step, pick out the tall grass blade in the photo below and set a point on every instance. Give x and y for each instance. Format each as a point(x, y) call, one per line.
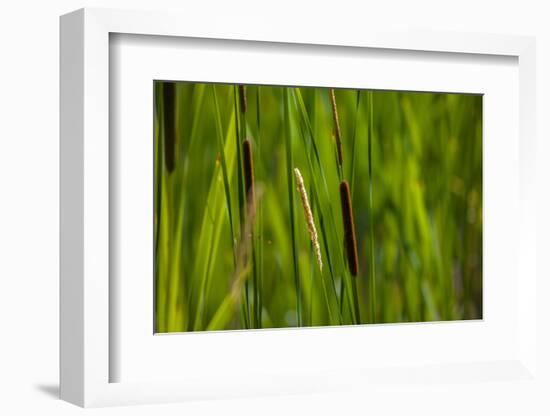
point(371, 216)
point(290, 181)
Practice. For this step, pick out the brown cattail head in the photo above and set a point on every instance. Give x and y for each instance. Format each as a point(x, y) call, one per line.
point(337, 134)
point(242, 97)
point(349, 228)
point(248, 166)
point(169, 111)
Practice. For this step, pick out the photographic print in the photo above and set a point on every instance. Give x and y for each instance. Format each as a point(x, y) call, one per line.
point(282, 207)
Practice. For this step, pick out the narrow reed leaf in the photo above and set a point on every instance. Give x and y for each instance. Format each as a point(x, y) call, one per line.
point(309, 217)
point(371, 218)
point(239, 158)
point(311, 272)
point(159, 270)
point(260, 263)
point(349, 228)
point(225, 176)
point(289, 162)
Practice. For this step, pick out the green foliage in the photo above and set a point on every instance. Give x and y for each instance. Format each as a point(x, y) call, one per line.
point(414, 164)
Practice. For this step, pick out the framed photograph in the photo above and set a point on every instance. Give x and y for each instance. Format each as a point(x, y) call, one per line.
point(268, 213)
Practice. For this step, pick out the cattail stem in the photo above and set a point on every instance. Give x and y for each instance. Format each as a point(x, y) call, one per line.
point(337, 132)
point(242, 98)
point(349, 228)
point(309, 218)
point(169, 110)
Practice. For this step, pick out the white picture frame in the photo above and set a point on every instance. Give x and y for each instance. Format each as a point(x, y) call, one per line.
point(86, 352)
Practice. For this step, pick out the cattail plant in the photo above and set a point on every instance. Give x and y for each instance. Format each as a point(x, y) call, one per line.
point(349, 228)
point(309, 217)
point(169, 111)
point(337, 133)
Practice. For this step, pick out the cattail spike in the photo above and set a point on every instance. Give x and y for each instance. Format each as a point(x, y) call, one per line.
point(309, 217)
point(248, 166)
point(169, 110)
point(337, 133)
point(350, 241)
point(242, 97)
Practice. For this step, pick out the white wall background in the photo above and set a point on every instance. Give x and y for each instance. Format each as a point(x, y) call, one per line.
point(29, 102)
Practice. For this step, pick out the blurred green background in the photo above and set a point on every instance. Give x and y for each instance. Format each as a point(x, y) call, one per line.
point(414, 165)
